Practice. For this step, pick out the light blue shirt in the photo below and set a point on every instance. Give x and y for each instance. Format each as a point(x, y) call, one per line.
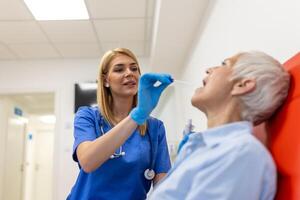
point(226, 162)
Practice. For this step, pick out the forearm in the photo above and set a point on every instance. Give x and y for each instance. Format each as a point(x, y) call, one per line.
point(93, 154)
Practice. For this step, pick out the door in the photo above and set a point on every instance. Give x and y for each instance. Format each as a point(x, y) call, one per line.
point(14, 156)
point(43, 164)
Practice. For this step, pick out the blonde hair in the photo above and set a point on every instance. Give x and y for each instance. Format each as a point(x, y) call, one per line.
point(272, 85)
point(104, 96)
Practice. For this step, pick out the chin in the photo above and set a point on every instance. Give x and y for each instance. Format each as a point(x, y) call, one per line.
point(129, 93)
point(197, 103)
point(194, 101)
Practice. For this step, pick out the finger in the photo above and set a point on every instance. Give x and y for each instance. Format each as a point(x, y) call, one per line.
point(163, 86)
point(153, 77)
point(165, 78)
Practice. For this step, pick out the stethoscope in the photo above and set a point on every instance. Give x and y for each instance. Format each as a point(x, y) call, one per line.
point(149, 173)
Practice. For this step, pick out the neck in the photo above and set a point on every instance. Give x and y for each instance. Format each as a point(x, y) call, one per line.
point(223, 115)
point(121, 107)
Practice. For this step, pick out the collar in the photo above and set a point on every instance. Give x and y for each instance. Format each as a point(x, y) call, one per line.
point(216, 135)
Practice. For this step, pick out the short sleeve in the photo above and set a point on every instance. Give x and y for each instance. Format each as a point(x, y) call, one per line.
point(162, 160)
point(84, 128)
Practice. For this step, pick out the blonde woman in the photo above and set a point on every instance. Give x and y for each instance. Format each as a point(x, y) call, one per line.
point(120, 150)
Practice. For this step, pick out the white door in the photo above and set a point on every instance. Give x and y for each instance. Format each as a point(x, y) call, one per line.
point(14, 156)
point(43, 165)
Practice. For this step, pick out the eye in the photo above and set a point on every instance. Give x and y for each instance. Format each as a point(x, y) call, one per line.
point(134, 68)
point(118, 70)
point(224, 63)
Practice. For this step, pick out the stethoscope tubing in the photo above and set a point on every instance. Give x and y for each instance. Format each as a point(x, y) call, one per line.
point(149, 173)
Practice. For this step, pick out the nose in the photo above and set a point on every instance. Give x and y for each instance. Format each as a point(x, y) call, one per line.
point(128, 72)
point(210, 70)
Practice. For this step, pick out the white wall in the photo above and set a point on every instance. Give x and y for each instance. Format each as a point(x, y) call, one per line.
point(234, 25)
point(32, 176)
point(58, 76)
point(29, 159)
point(174, 109)
point(3, 126)
point(7, 135)
point(165, 111)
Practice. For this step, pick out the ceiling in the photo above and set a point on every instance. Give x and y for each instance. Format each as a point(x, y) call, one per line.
point(34, 103)
point(112, 23)
point(161, 31)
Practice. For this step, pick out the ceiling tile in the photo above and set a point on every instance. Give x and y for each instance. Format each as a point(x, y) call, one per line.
point(116, 8)
point(14, 10)
point(78, 31)
point(137, 47)
point(21, 32)
point(83, 50)
point(35, 51)
point(121, 29)
point(5, 53)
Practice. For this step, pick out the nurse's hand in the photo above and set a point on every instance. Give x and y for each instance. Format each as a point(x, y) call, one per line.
point(148, 95)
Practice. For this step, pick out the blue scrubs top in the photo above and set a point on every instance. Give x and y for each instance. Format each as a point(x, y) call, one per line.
point(122, 177)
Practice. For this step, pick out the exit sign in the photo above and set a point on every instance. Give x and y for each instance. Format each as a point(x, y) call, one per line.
point(18, 111)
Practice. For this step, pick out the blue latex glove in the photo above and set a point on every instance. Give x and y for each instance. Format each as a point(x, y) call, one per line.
point(183, 141)
point(148, 95)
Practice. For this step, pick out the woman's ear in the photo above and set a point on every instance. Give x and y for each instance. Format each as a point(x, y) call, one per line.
point(106, 84)
point(243, 86)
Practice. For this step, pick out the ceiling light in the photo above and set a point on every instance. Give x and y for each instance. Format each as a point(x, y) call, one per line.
point(57, 9)
point(19, 121)
point(48, 119)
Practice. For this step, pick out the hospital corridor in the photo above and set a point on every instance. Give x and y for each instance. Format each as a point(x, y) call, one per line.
point(149, 99)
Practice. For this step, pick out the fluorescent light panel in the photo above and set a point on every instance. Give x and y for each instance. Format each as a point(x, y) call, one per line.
point(48, 119)
point(57, 9)
point(19, 120)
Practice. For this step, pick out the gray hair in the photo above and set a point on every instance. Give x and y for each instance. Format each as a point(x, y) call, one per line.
point(272, 84)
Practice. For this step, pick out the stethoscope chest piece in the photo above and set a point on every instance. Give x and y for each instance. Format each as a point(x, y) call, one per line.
point(149, 174)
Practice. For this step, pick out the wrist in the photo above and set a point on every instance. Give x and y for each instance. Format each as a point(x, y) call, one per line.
point(138, 116)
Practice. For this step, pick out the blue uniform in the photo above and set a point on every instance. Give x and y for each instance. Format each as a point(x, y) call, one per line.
point(122, 177)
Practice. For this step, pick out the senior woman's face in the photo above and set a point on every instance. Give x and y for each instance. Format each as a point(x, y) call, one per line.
point(217, 86)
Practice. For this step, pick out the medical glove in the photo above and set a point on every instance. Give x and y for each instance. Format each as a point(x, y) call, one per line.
point(148, 95)
point(186, 137)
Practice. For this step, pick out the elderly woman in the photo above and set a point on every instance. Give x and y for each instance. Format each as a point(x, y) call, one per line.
point(227, 161)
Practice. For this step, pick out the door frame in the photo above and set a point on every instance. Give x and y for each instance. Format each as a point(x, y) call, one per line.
point(57, 112)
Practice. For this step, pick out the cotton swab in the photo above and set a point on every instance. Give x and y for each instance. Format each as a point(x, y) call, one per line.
point(158, 83)
point(184, 82)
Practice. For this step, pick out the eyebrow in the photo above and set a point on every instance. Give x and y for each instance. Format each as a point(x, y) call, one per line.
point(121, 65)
